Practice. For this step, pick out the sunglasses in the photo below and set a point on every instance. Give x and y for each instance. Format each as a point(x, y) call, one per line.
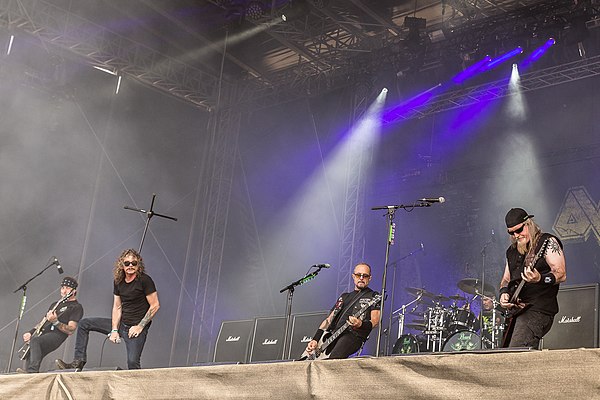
point(128, 263)
point(365, 276)
point(516, 231)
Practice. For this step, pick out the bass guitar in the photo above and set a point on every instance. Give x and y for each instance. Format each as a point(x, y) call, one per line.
point(515, 289)
point(39, 328)
point(319, 353)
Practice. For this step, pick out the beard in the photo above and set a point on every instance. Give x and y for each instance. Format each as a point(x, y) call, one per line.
point(522, 247)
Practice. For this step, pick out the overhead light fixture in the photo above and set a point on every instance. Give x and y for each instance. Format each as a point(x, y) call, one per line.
point(296, 9)
point(255, 10)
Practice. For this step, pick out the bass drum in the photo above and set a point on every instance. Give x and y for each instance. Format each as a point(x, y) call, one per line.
point(406, 344)
point(463, 341)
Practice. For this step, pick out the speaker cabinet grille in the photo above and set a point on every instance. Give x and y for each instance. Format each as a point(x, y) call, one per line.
point(576, 324)
point(233, 341)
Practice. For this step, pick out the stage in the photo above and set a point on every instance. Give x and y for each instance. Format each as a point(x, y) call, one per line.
point(557, 374)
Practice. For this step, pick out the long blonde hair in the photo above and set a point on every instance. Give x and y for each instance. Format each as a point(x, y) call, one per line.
point(118, 272)
point(534, 233)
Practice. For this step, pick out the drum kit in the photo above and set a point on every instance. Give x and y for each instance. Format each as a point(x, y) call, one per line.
point(447, 323)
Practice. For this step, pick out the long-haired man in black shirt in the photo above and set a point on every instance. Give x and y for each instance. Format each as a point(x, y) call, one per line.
point(534, 311)
point(352, 339)
point(135, 303)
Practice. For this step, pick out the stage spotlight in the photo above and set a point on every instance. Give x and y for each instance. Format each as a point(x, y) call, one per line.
point(255, 10)
point(537, 53)
point(384, 90)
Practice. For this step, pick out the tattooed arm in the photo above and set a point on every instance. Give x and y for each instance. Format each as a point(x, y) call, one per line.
point(555, 257)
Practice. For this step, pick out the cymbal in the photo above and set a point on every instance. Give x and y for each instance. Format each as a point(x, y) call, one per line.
point(420, 327)
point(473, 286)
point(439, 297)
point(419, 291)
point(418, 321)
point(457, 297)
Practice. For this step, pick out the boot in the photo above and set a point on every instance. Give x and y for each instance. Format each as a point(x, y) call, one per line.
point(77, 365)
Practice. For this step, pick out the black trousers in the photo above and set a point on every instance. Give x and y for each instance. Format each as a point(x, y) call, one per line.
point(529, 329)
point(346, 345)
point(40, 346)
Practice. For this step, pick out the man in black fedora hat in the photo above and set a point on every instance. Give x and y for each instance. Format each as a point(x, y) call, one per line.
point(60, 322)
point(536, 259)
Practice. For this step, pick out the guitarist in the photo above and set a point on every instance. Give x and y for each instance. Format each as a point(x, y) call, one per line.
point(56, 326)
point(351, 340)
point(532, 313)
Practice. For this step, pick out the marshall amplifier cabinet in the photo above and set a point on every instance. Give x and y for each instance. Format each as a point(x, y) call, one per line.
point(303, 327)
point(267, 340)
point(576, 324)
point(233, 341)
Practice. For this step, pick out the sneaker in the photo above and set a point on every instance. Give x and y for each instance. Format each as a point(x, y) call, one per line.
point(77, 365)
point(21, 371)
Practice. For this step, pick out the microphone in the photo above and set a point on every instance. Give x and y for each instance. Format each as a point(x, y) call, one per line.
point(432, 200)
point(422, 248)
point(321, 266)
point(58, 267)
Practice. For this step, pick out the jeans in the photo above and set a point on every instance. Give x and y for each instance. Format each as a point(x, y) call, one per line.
point(40, 346)
point(134, 345)
point(85, 326)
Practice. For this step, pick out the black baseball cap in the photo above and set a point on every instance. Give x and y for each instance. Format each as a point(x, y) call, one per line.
point(516, 216)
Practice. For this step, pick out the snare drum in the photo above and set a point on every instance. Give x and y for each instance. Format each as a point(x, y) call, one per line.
point(406, 344)
point(462, 340)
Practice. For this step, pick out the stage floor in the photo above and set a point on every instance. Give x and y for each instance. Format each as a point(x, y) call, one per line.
point(554, 374)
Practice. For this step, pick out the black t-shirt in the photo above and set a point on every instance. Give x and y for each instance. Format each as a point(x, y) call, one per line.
point(540, 295)
point(134, 304)
point(343, 312)
point(68, 311)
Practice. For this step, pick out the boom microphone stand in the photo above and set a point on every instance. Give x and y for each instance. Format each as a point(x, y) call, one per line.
point(288, 304)
point(23, 287)
point(391, 210)
point(149, 214)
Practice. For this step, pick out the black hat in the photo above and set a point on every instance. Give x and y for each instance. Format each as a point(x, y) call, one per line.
point(516, 216)
point(70, 282)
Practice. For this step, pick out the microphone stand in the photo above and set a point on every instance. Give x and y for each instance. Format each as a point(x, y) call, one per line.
point(149, 214)
point(391, 210)
point(395, 264)
point(288, 305)
point(481, 297)
point(23, 287)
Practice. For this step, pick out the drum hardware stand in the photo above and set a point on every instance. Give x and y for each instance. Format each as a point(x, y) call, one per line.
point(390, 214)
point(149, 214)
point(23, 287)
point(389, 330)
point(401, 316)
point(288, 306)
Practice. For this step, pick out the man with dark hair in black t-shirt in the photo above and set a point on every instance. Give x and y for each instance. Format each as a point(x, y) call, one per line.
point(533, 313)
point(60, 322)
point(134, 305)
point(345, 309)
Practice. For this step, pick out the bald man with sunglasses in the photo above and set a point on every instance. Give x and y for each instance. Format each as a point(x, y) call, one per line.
point(345, 310)
point(536, 259)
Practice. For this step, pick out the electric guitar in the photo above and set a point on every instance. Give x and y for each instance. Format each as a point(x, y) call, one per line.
point(515, 289)
point(319, 352)
point(39, 328)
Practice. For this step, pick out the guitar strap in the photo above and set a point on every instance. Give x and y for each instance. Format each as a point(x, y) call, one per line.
point(339, 312)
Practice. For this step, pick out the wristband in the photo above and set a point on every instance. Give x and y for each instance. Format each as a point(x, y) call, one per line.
point(548, 279)
point(367, 324)
point(114, 330)
point(55, 323)
point(317, 336)
point(503, 290)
